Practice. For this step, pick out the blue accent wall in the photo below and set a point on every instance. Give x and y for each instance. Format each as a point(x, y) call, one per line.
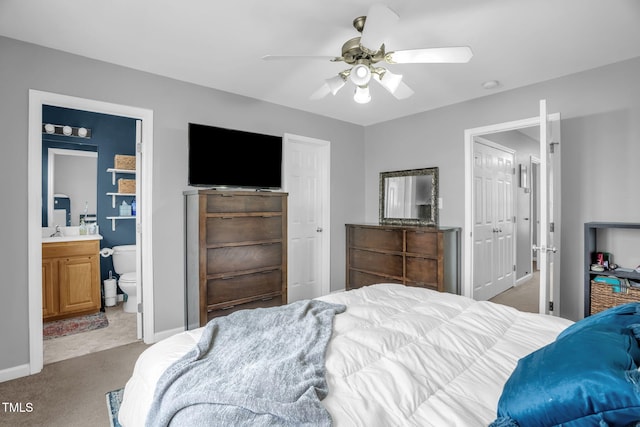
point(110, 135)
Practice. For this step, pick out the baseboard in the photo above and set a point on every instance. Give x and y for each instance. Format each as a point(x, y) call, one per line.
point(159, 336)
point(523, 279)
point(15, 372)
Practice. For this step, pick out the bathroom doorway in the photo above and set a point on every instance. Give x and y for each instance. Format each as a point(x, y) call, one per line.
point(143, 226)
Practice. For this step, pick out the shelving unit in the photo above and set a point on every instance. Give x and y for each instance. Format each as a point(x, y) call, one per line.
point(591, 246)
point(114, 195)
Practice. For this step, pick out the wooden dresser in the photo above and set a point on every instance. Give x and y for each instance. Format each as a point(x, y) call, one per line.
point(427, 257)
point(236, 244)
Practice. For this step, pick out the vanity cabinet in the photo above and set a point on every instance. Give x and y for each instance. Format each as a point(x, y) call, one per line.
point(411, 255)
point(236, 252)
point(70, 279)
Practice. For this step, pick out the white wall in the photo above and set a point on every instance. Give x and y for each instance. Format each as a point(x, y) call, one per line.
point(600, 150)
point(24, 66)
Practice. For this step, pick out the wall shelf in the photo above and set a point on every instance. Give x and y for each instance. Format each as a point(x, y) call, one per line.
point(113, 220)
point(114, 172)
point(114, 195)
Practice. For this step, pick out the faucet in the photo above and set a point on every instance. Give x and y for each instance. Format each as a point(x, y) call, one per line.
point(58, 232)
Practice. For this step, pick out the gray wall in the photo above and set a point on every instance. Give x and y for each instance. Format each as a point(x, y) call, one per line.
point(25, 66)
point(600, 130)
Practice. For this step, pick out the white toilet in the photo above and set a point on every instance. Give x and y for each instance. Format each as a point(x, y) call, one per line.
point(124, 262)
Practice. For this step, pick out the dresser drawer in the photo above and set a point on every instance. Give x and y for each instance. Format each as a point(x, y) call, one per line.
point(386, 264)
point(422, 270)
point(358, 279)
point(385, 239)
point(221, 230)
point(271, 302)
point(242, 258)
point(422, 242)
point(218, 203)
point(243, 286)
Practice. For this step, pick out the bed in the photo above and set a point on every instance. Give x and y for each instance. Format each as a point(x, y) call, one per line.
point(397, 356)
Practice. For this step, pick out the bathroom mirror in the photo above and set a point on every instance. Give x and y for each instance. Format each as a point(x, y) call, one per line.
point(409, 197)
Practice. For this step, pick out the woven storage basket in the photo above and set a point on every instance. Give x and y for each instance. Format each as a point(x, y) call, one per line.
point(124, 162)
point(603, 296)
point(127, 186)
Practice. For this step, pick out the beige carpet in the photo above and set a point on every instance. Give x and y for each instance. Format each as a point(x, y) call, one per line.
point(524, 297)
point(70, 393)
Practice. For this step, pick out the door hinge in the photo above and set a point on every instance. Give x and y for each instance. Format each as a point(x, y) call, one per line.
point(550, 305)
point(139, 228)
point(513, 171)
point(552, 227)
point(139, 147)
point(514, 267)
point(552, 147)
point(140, 308)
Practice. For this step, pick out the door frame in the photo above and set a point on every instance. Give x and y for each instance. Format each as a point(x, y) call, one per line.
point(469, 135)
point(325, 147)
point(37, 99)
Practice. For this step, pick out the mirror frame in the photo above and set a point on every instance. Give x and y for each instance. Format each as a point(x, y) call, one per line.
point(433, 221)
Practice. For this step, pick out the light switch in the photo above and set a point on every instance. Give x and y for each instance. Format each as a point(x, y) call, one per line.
point(439, 202)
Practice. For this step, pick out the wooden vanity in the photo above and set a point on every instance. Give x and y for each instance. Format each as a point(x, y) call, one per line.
point(70, 278)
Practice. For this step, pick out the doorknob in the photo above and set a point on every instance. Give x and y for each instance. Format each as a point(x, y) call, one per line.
point(319, 229)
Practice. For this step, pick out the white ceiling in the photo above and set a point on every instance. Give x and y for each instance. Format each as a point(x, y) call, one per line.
point(220, 44)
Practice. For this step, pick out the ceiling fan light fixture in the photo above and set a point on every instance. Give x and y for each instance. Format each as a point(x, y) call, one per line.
point(390, 81)
point(362, 95)
point(360, 75)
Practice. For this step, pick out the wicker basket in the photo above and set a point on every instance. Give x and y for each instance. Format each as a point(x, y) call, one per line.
point(124, 162)
point(126, 186)
point(603, 296)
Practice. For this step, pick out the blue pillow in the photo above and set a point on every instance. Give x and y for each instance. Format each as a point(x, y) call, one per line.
point(588, 376)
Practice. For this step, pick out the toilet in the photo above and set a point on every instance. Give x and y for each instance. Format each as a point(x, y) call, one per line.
point(124, 262)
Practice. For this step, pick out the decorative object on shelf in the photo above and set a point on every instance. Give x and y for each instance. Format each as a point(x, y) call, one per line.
point(66, 130)
point(409, 197)
point(125, 209)
point(124, 162)
point(127, 186)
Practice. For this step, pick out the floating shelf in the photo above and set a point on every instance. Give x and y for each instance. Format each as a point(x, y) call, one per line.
point(114, 172)
point(115, 218)
point(114, 195)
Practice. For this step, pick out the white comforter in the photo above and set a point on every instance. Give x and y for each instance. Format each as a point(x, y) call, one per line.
point(399, 356)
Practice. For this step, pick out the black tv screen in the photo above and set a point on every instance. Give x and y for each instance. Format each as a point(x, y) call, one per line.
point(220, 157)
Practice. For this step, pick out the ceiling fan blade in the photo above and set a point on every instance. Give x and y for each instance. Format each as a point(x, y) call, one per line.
point(394, 85)
point(436, 55)
point(380, 20)
point(296, 57)
point(330, 86)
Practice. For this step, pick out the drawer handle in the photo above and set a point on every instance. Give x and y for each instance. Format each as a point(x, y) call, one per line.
point(267, 299)
point(227, 308)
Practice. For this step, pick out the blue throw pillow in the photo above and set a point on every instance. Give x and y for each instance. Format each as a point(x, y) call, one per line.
point(587, 377)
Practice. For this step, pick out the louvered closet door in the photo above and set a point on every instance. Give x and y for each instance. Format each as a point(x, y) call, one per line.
point(493, 234)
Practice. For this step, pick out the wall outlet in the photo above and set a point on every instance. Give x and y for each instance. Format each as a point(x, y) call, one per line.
point(439, 202)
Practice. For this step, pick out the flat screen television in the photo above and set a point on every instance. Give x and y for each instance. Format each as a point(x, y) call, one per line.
point(221, 157)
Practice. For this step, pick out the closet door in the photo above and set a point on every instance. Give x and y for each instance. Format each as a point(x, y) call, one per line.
point(493, 234)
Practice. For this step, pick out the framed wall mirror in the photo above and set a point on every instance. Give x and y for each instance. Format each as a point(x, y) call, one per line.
point(409, 197)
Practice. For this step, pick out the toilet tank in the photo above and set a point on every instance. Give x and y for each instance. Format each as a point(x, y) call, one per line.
point(124, 258)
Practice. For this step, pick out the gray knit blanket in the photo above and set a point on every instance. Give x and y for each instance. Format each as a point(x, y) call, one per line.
point(261, 367)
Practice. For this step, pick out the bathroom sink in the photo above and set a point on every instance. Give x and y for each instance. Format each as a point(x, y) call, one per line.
point(67, 234)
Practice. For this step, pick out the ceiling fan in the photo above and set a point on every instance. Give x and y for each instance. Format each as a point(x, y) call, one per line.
point(363, 53)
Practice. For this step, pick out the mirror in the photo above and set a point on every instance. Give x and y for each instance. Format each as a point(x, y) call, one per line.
point(409, 197)
point(69, 186)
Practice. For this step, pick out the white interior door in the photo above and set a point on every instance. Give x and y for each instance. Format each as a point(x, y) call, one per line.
point(549, 243)
point(139, 289)
point(306, 179)
point(493, 231)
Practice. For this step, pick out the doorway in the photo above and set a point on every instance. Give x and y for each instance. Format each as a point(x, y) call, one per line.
point(544, 148)
point(306, 170)
point(38, 99)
